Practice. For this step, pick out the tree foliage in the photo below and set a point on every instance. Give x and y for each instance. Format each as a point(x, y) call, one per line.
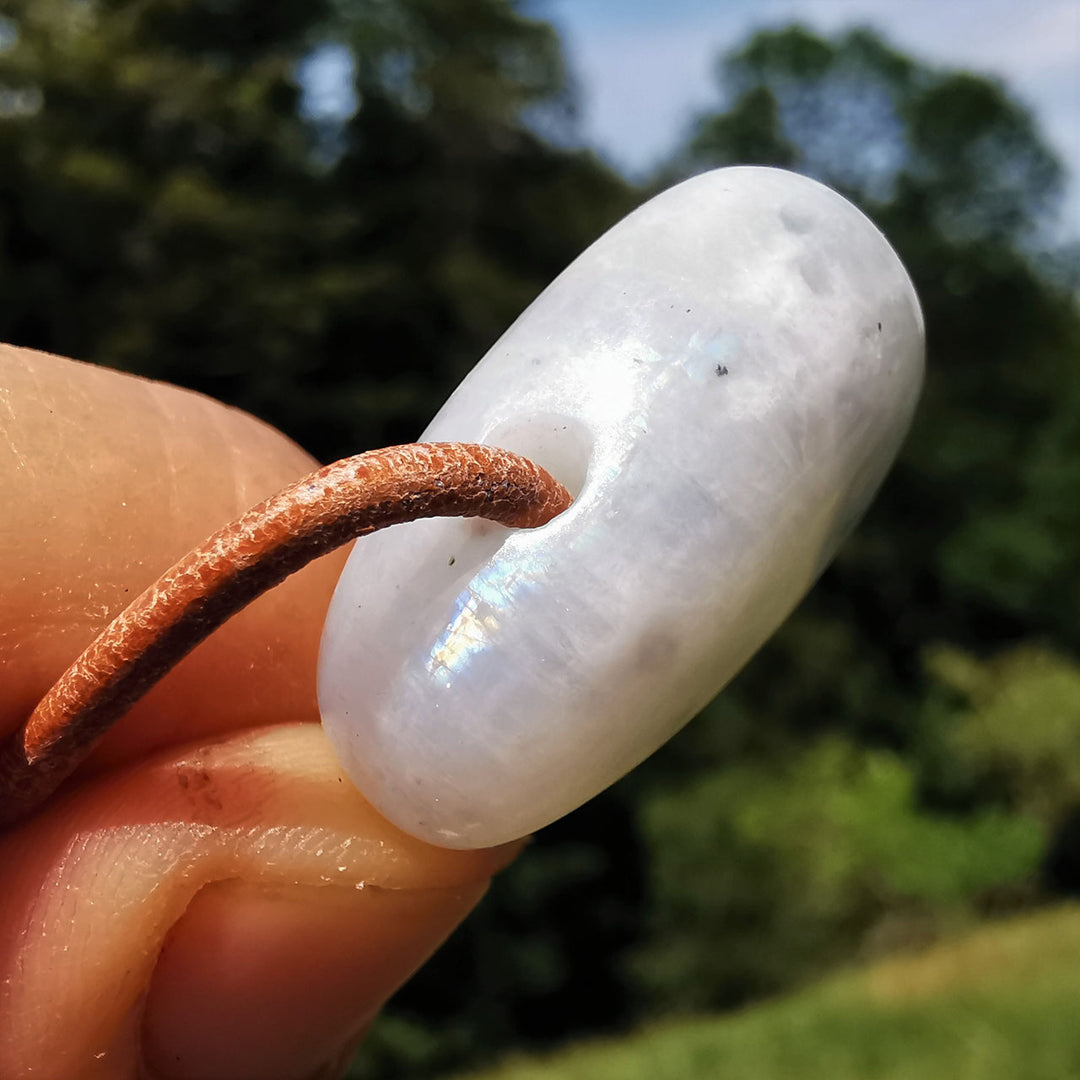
point(973, 543)
point(767, 871)
point(957, 176)
point(167, 209)
point(1008, 728)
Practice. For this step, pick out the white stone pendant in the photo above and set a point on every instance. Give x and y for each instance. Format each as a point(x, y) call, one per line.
point(722, 381)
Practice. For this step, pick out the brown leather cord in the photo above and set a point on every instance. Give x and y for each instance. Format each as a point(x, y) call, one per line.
point(261, 548)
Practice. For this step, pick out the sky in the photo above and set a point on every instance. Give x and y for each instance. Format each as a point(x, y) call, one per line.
point(644, 67)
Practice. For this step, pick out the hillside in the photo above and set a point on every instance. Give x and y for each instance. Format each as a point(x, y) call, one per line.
point(996, 1005)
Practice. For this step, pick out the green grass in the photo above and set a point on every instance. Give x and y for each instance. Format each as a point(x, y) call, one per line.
point(1000, 1004)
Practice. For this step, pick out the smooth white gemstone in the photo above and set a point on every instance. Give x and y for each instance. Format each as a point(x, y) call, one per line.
point(724, 379)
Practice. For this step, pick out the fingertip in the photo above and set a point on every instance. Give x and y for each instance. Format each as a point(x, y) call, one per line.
point(276, 984)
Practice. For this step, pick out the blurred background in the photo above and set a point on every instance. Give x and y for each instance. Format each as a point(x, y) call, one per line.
point(861, 860)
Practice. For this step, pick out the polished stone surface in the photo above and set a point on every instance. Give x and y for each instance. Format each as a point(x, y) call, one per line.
point(723, 379)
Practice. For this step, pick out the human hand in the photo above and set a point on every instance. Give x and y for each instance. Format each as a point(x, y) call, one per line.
point(209, 897)
point(712, 505)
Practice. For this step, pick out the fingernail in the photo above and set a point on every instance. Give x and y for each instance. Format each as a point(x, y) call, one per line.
point(258, 984)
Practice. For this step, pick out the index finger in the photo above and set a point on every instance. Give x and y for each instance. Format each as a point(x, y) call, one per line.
point(107, 479)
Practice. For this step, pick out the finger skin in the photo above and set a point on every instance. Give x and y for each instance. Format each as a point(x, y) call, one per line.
point(94, 885)
point(346, 951)
point(106, 480)
point(174, 913)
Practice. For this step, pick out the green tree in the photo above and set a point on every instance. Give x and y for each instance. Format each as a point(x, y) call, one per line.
point(156, 191)
point(765, 872)
point(1007, 729)
point(166, 207)
point(455, 212)
point(977, 534)
point(974, 541)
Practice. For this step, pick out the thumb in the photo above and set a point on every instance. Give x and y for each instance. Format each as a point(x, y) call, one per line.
point(212, 898)
point(233, 910)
